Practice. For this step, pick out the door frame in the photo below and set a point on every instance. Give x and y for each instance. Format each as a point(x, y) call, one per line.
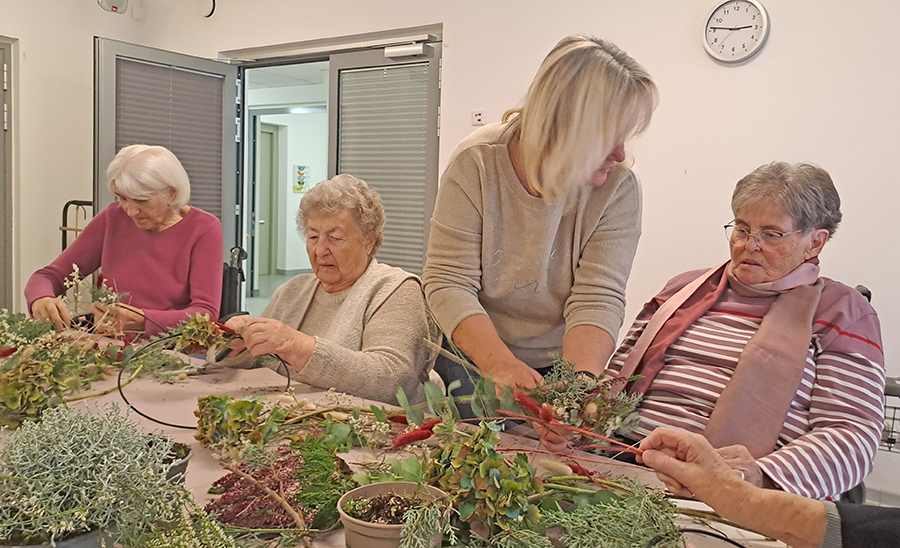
point(275, 181)
point(7, 211)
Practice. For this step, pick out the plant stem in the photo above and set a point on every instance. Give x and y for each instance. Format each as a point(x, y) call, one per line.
point(108, 390)
point(304, 416)
point(295, 515)
point(599, 481)
point(570, 489)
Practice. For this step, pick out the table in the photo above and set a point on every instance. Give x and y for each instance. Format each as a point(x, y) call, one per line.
point(175, 404)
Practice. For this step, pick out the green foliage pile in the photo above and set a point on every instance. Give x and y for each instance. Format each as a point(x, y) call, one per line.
point(77, 472)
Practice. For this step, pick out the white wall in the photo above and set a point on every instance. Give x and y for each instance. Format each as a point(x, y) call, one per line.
point(307, 144)
point(823, 89)
point(53, 117)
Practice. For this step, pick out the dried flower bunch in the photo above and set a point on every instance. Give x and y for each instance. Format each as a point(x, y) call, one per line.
point(41, 368)
point(305, 477)
point(75, 472)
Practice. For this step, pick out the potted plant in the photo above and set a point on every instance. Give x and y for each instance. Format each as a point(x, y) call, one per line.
point(75, 472)
point(393, 514)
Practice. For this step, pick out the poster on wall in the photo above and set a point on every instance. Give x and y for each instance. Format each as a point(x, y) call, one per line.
point(301, 176)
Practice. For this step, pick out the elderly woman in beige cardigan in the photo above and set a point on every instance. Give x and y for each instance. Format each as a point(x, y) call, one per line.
point(355, 325)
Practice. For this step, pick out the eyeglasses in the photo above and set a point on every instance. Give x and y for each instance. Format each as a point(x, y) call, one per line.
point(766, 239)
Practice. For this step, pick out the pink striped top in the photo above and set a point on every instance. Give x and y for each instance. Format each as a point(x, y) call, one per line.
point(833, 427)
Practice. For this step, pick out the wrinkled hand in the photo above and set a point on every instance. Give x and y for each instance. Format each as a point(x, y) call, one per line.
point(117, 319)
point(267, 336)
point(53, 309)
point(741, 461)
point(689, 466)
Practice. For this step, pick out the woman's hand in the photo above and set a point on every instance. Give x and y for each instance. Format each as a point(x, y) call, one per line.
point(267, 336)
point(515, 374)
point(555, 438)
point(741, 461)
point(688, 465)
point(117, 319)
point(53, 309)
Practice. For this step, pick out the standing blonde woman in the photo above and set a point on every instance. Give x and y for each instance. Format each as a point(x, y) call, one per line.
point(537, 221)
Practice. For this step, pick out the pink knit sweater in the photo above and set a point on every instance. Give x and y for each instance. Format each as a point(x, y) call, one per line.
point(168, 274)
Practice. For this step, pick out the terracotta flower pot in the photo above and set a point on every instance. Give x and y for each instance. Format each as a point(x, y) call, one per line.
point(362, 534)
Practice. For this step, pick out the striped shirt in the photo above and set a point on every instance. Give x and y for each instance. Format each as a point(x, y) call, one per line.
point(834, 424)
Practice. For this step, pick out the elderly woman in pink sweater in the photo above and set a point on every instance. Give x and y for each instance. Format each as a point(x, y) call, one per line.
point(163, 255)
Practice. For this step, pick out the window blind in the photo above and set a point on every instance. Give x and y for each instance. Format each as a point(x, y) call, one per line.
point(179, 109)
point(382, 133)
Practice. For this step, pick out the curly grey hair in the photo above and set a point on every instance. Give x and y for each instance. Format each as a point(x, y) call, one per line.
point(346, 192)
point(806, 191)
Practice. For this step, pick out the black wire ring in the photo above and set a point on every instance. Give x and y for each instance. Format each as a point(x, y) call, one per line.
point(714, 535)
point(131, 406)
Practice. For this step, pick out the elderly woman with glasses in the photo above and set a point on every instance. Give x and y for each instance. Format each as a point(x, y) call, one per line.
point(780, 369)
point(355, 325)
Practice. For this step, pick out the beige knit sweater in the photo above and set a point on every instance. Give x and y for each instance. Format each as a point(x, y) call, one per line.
point(374, 340)
point(535, 268)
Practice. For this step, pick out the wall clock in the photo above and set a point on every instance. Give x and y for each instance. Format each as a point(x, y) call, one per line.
point(735, 30)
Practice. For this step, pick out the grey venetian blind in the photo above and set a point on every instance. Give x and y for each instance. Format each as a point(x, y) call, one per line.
point(181, 110)
point(382, 133)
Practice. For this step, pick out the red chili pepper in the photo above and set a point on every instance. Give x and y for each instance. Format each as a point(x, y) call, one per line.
point(527, 403)
point(580, 470)
point(410, 437)
point(429, 426)
point(225, 329)
point(399, 419)
point(4, 352)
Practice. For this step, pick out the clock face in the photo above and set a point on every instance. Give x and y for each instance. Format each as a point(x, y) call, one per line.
point(736, 30)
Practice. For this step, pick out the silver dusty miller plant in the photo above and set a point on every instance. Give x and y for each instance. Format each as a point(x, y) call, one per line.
point(75, 472)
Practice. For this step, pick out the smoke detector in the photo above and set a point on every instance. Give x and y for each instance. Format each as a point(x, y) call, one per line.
point(115, 6)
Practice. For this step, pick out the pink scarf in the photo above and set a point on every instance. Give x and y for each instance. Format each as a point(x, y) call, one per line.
point(753, 406)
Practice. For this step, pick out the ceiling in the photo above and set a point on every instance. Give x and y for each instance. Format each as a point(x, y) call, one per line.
point(303, 74)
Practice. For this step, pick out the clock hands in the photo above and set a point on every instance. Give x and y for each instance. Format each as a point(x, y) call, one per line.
point(732, 28)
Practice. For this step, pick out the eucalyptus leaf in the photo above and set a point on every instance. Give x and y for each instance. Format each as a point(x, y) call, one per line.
point(379, 413)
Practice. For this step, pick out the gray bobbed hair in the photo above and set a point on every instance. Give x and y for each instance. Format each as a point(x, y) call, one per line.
point(346, 192)
point(803, 190)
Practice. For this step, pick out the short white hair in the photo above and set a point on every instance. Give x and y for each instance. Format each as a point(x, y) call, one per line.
point(587, 97)
point(141, 171)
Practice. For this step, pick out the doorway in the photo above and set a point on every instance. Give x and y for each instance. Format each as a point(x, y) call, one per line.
point(287, 106)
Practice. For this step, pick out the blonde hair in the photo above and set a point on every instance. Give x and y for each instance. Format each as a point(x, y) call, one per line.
point(141, 171)
point(346, 192)
point(587, 97)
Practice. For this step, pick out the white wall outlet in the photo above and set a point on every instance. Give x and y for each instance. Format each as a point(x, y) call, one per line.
point(478, 117)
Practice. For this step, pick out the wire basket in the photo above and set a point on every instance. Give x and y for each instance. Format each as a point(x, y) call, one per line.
point(890, 436)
